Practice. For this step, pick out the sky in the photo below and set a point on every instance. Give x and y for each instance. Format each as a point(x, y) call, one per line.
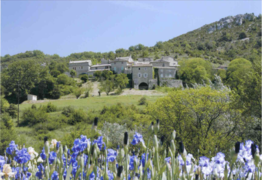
point(65, 27)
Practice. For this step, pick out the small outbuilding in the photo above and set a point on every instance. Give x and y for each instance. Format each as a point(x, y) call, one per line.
point(31, 97)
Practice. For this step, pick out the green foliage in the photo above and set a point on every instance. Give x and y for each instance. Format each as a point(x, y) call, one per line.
point(12, 110)
point(63, 79)
point(78, 92)
point(145, 54)
point(7, 132)
point(84, 77)
point(24, 72)
point(4, 105)
point(30, 117)
point(222, 73)
point(67, 111)
point(242, 35)
point(194, 70)
point(105, 74)
point(97, 75)
point(88, 88)
point(77, 116)
point(202, 118)
point(49, 108)
point(237, 72)
point(121, 81)
point(142, 101)
point(107, 86)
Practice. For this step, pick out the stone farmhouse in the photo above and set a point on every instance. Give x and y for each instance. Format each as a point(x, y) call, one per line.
point(145, 72)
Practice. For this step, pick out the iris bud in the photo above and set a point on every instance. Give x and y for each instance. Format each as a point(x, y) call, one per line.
point(253, 149)
point(126, 138)
point(173, 135)
point(162, 139)
point(45, 139)
point(181, 147)
point(196, 176)
point(237, 147)
point(119, 171)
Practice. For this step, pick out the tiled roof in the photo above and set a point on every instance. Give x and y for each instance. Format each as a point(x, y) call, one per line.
point(81, 61)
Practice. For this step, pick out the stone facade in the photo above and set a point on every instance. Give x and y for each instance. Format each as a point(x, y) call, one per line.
point(142, 70)
point(141, 74)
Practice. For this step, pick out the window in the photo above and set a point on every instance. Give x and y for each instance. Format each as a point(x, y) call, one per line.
point(115, 69)
point(81, 67)
point(96, 67)
point(139, 75)
point(145, 68)
point(138, 68)
point(170, 75)
point(122, 68)
point(163, 65)
point(161, 70)
point(161, 75)
point(145, 75)
point(122, 62)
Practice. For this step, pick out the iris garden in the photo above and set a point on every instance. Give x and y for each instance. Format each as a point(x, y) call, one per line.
point(91, 159)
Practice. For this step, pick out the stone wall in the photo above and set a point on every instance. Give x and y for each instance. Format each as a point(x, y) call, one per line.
point(142, 74)
point(118, 66)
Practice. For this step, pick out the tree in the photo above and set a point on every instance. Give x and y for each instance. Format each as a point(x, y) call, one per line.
point(78, 92)
point(106, 74)
point(24, 72)
point(107, 86)
point(195, 70)
point(225, 37)
point(222, 73)
point(7, 132)
point(88, 88)
point(98, 75)
point(242, 35)
point(72, 73)
point(121, 80)
point(111, 55)
point(202, 118)
point(159, 45)
point(84, 77)
point(145, 54)
point(4, 105)
point(131, 48)
point(63, 79)
point(237, 72)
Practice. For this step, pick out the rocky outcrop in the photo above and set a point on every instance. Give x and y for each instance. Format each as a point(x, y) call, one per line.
point(230, 21)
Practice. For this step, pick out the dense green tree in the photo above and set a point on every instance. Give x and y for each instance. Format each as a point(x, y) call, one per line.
point(26, 73)
point(107, 86)
point(121, 80)
point(106, 74)
point(222, 73)
point(145, 54)
point(84, 77)
point(202, 118)
point(237, 72)
point(242, 35)
point(88, 88)
point(63, 79)
point(7, 132)
point(78, 92)
point(195, 70)
point(72, 73)
point(98, 75)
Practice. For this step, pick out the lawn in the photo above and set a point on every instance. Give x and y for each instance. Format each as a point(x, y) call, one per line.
point(93, 103)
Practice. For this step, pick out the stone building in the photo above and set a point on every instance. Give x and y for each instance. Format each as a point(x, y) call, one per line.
point(81, 67)
point(145, 72)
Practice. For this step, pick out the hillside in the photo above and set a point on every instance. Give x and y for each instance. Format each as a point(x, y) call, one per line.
point(218, 42)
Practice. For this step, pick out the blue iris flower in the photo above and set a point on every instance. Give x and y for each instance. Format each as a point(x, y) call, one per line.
point(52, 156)
point(137, 139)
point(85, 159)
point(99, 142)
point(64, 174)
point(168, 159)
point(111, 155)
point(43, 155)
point(54, 176)
point(22, 156)
point(131, 162)
point(143, 159)
point(68, 153)
point(2, 161)
point(11, 148)
point(57, 145)
point(80, 144)
point(41, 171)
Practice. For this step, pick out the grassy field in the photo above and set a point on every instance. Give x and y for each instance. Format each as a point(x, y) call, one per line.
point(93, 103)
point(87, 104)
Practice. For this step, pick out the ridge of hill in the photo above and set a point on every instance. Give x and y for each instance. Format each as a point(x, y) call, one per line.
point(218, 42)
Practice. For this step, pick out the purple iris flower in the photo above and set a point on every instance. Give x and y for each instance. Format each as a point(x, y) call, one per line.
point(111, 155)
point(137, 139)
point(11, 148)
point(43, 155)
point(99, 142)
point(22, 156)
point(52, 156)
point(54, 176)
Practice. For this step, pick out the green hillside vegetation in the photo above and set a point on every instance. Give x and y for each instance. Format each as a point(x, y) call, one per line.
point(218, 47)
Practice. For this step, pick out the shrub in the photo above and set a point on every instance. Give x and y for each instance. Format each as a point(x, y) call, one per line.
point(242, 35)
point(142, 101)
point(63, 79)
point(4, 105)
point(50, 108)
point(78, 92)
point(31, 117)
point(67, 111)
point(12, 110)
point(33, 106)
point(84, 77)
point(77, 116)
